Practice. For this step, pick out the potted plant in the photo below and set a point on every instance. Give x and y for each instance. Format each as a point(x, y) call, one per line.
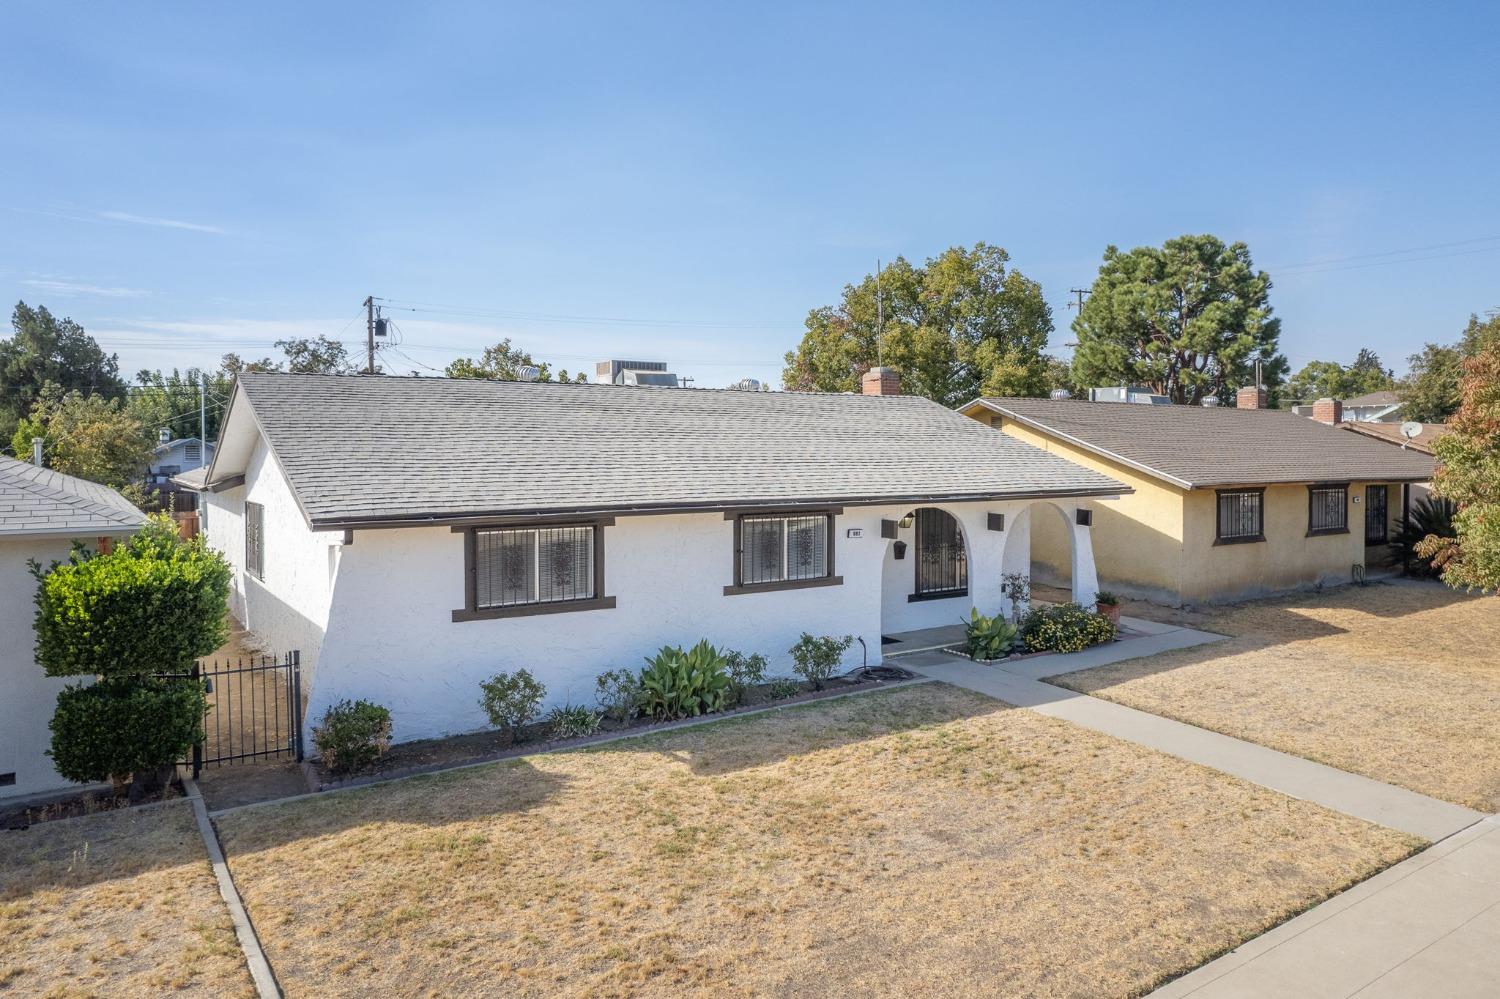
point(1108, 604)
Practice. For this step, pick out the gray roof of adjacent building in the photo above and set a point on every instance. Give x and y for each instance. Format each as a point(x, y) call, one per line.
point(373, 450)
point(40, 502)
point(1195, 447)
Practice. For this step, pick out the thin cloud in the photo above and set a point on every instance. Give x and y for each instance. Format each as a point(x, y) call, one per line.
point(162, 223)
point(81, 288)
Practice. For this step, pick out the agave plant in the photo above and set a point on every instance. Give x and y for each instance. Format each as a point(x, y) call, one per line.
point(678, 684)
point(988, 637)
point(1430, 515)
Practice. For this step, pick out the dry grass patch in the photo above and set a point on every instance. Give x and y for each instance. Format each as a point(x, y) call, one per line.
point(120, 903)
point(1396, 682)
point(924, 841)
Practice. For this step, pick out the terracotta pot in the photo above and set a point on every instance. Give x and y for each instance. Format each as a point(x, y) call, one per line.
point(1111, 611)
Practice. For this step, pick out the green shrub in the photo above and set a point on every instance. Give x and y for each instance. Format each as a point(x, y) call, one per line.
point(1430, 515)
point(152, 605)
point(1064, 628)
point(678, 684)
point(816, 659)
point(510, 700)
point(744, 672)
point(988, 638)
point(571, 721)
point(783, 687)
point(353, 735)
point(618, 693)
point(1107, 598)
point(117, 727)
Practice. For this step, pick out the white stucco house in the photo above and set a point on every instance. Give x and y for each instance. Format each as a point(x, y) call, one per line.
point(42, 513)
point(412, 536)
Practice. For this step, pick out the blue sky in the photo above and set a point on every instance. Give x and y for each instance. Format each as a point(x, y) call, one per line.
point(684, 182)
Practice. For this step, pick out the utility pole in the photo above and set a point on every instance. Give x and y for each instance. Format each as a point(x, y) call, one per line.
point(369, 334)
point(879, 316)
point(1080, 292)
point(202, 419)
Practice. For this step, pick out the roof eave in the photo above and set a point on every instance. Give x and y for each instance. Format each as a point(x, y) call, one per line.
point(445, 519)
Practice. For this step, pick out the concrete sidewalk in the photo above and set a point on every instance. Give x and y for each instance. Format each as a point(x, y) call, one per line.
point(1429, 926)
point(1384, 804)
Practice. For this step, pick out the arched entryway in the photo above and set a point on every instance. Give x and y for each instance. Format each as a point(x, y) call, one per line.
point(925, 576)
point(1053, 547)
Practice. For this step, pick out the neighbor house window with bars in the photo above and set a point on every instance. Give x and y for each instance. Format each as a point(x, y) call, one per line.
point(255, 544)
point(539, 569)
point(1241, 516)
point(1328, 509)
point(775, 551)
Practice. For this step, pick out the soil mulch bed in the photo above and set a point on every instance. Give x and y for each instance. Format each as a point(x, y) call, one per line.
point(72, 806)
point(429, 755)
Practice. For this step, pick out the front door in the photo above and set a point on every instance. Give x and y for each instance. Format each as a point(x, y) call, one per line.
point(942, 564)
point(1375, 515)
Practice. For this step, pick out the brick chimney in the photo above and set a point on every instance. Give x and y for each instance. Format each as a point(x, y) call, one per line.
point(880, 381)
point(1330, 411)
point(1250, 397)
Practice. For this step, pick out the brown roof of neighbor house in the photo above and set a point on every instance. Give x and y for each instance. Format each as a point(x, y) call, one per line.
point(1384, 397)
point(39, 502)
point(1391, 433)
point(362, 450)
point(1194, 447)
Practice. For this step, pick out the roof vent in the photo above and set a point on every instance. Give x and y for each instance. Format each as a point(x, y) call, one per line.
point(1061, 394)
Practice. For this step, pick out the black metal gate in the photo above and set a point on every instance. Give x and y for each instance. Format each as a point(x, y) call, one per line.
point(254, 710)
point(1376, 514)
point(942, 564)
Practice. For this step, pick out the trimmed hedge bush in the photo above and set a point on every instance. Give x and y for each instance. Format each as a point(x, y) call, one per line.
point(1064, 628)
point(353, 735)
point(815, 659)
point(511, 699)
point(110, 729)
point(153, 605)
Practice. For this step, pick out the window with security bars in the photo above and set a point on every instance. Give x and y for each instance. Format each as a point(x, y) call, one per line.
point(255, 545)
point(1327, 509)
point(942, 564)
point(1241, 515)
point(780, 549)
point(518, 566)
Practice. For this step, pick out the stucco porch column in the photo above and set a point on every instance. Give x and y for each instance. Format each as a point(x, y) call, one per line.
point(1085, 575)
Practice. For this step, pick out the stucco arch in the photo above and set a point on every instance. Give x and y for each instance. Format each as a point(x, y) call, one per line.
point(1078, 538)
point(898, 611)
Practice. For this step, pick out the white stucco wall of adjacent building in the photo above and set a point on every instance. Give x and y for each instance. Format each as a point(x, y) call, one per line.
point(28, 698)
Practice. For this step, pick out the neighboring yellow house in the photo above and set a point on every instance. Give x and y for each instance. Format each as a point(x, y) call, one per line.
point(1227, 503)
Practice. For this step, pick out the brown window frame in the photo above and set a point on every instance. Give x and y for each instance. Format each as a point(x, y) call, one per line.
point(1260, 511)
point(739, 586)
point(1319, 532)
point(471, 611)
point(255, 540)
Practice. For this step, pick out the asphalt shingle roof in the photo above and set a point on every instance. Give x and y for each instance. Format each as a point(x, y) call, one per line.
point(1195, 446)
point(1384, 397)
point(359, 449)
point(41, 502)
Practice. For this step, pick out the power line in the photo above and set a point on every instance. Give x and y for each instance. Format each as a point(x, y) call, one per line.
point(437, 308)
point(1388, 253)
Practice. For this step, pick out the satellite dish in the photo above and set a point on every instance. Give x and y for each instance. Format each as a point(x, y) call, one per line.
point(1410, 429)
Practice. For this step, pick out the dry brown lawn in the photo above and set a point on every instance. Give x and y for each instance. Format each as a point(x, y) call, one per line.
point(1397, 682)
point(119, 903)
point(923, 841)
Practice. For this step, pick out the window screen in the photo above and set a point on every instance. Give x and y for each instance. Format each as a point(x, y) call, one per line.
point(776, 549)
point(533, 565)
point(1241, 515)
point(255, 552)
point(1327, 509)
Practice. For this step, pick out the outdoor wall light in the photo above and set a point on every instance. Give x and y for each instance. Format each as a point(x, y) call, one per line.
point(908, 520)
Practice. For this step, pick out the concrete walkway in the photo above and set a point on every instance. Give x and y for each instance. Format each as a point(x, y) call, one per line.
point(1393, 807)
point(1429, 927)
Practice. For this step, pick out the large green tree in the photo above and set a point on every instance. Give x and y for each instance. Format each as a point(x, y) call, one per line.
point(46, 350)
point(1469, 468)
point(503, 362)
point(1330, 379)
point(961, 325)
point(88, 436)
point(1430, 389)
point(1189, 319)
point(316, 356)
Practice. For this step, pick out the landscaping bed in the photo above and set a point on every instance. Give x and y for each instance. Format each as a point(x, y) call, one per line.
point(1396, 681)
point(429, 755)
point(915, 841)
point(69, 806)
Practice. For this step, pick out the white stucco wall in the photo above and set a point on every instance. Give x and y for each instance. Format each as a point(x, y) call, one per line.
point(27, 697)
point(391, 639)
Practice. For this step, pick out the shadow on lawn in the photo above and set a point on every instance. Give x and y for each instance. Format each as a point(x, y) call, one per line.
point(520, 784)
